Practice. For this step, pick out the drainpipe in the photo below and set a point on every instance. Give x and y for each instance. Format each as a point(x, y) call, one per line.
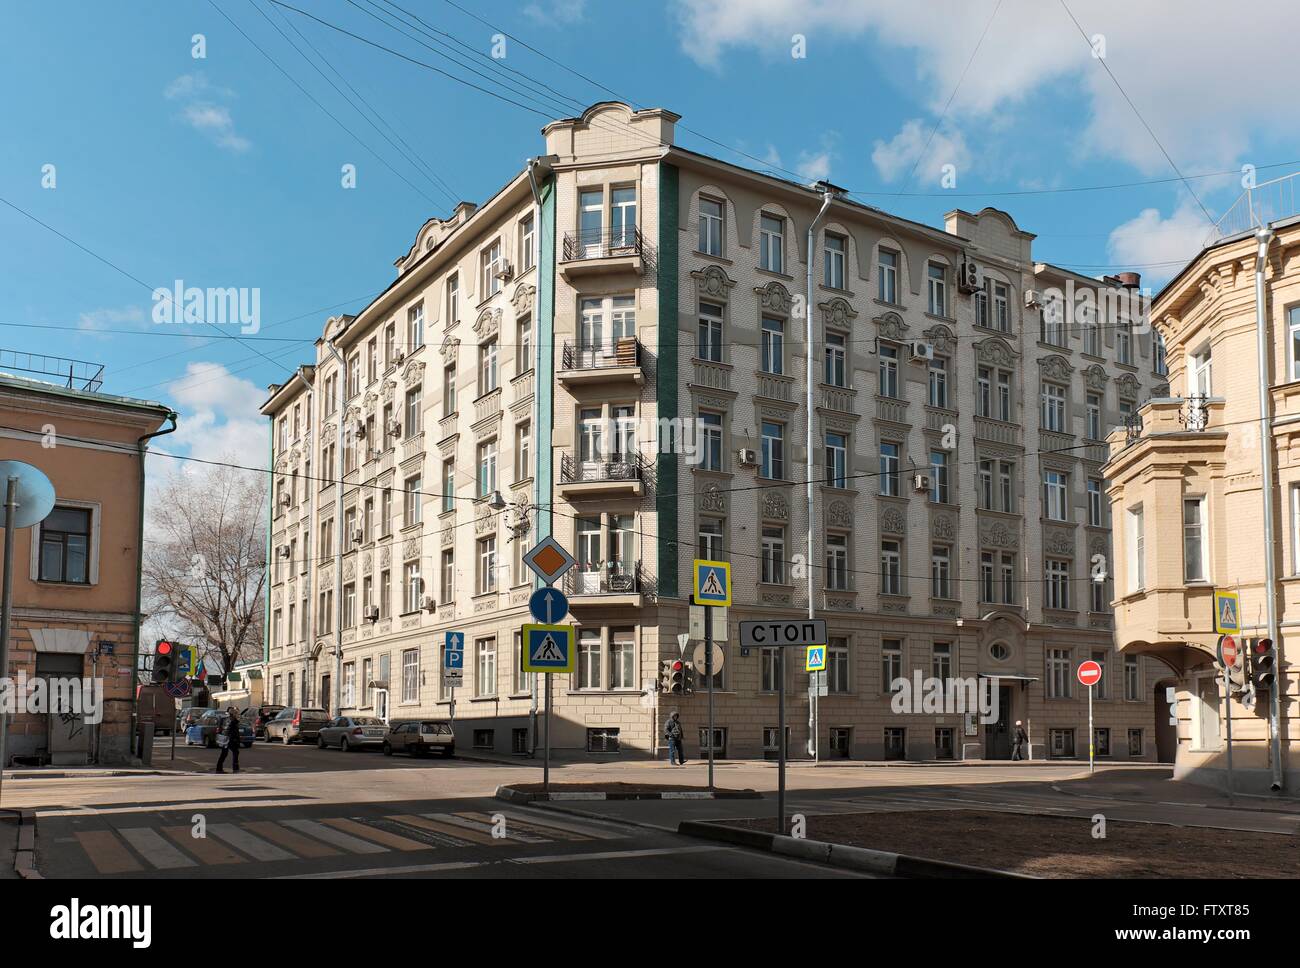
point(338, 533)
point(810, 417)
point(139, 581)
point(310, 583)
point(1263, 237)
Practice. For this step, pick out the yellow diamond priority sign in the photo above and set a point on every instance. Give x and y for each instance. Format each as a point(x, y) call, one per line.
point(548, 560)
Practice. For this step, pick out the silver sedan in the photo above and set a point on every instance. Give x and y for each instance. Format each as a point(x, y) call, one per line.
point(352, 733)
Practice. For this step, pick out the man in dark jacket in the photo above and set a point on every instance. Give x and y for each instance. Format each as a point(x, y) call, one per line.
point(673, 732)
point(231, 731)
point(1019, 740)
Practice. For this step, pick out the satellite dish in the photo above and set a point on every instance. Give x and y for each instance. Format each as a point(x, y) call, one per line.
point(35, 493)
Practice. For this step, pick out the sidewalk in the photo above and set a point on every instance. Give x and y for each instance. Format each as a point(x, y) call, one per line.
point(1156, 786)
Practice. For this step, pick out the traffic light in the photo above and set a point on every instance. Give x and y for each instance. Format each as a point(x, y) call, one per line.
point(1263, 663)
point(164, 661)
point(671, 675)
point(688, 678)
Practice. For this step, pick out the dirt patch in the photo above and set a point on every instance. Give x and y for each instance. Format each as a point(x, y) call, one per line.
point(1059, 846)
point(623, 788)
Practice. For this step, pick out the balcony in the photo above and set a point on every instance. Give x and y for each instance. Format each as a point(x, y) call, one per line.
point(998, 431)
point(616, 583)
point(837, 398)
point(711, 374)
point(605, 252)
point(892, 409)
point(615, 362)
point(607, 477)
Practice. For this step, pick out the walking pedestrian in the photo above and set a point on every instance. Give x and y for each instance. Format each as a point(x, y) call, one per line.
point(228, 740)
point(676, 748)
point(1018, 743)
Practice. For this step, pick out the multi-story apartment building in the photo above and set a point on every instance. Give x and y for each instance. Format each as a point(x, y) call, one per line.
point(664, 420)
point(76, 581)
point(1194, 488)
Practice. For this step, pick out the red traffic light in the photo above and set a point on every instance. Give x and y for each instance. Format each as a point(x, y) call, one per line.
point(1263, 646)
point(164, 648)
point(677, 665)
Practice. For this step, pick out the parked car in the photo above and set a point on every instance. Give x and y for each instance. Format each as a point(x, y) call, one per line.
point(213, 721)
point(420, 737)
point(353, 732)
point(296, 723)
point(189, 716)
point(264, 714)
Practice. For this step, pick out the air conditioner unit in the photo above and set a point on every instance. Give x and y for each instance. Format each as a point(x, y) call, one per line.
point(920, 482)
point(372, 613)
point(506, 272)
point(968, 277)
point(920, 351)
point(357, 535)
point(429, 604)
point(283, 551)
point(1033, 298)
point(747, 457)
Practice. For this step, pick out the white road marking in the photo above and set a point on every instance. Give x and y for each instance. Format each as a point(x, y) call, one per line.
point(158, 852)
point(336, 837)
point(383, 871)
point(254, 847)
point(615, 854)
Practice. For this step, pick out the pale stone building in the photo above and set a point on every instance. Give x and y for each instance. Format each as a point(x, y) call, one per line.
point(663, 419)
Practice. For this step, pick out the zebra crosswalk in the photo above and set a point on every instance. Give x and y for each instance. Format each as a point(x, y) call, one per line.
point(127, 850)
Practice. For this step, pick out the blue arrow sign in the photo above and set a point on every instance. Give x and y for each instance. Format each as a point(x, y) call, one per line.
point(548, 605)
point(455, 641)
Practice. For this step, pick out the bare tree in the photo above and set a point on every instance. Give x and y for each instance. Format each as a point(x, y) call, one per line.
point(205, 561)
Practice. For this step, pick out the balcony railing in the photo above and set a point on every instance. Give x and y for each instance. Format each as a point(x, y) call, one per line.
point(623, 352)
point(605, 244)
point(604, 578)
point(73, 374)
point(616, 468)
point(1266, 202)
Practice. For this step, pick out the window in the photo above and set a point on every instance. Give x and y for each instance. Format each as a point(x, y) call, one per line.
point(414, 412)
point(889, 469)
point(1295, 529)
point(944, 743)
point(891, 663)
point(485, 666)
point(1100, 687)
point(773, 345)
point(453, 299)
point(888, 370)
point(354, 380)
point(982, 305)
point(527, 244)
point(1094, 502)
point(411, 501)
point(622, 659)
point(940, 572)
point(1059, 674)
point(836, 370)
point(837, 460)
point(1160, 358)
point(448, 485)
point(1091, 338)
point(1002, 496)
point(1053, 322)
point(523, 451)
point(833, 269)
point(711, 547)
point(524, 351)
point(710, 343)
point(1200, 380)
point(1101, 741)
point(385, 599)
point(1132, 679)
point(415, 327)
point(941, 660)
point(1056, 591)
point(603, 739)
point(773, 457)
point(622, 217)
point(591, 216)
point(368, 521)
point(711, 442)
point(771, 243)
point(65, 546)
point(589, 659)
point(487, 565)
point(937, 289)
point(1124, 342)
point(1094, 417)
point(837, 665)
point(411, 586)
point(522, 682)
point(1097, 597)
point(1008, 578)
point(837, 562)
point(448, 589)
point(490, 258)
point(1002, 307)
point(939, 491)
point(1195, 558)
point(410, 675)
point(1135, 539)
point(769, 664)
point(349, 684)
point(773, 555)
point(1056, 486)
point(1135, 742)
point(988, 576)
point(887, 267)
point(938, 385)
point(711, 223)
point(891, 567)
point(487, 468)
point(1053, 407)
point(993, 398)
point(487, 367)
point(449, 391)
point(484, 739)
point(1060, 743)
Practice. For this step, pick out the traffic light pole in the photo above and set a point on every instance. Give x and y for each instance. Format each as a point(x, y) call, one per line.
point(546, 724)
point(6, 606)
point(708, 673)
point(780, 743)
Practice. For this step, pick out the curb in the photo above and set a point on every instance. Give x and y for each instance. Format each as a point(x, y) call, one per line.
point(1162, 803)
point(591, 815)
point(25, 855)
point(842, 855)
point(512, 795)
point(88, 774)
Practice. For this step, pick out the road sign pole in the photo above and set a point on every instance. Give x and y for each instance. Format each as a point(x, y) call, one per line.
point(708, 673)
point(780, 743)
point(1227, 719)
point(546, 762)
point(6, 602)
point(1092, 734)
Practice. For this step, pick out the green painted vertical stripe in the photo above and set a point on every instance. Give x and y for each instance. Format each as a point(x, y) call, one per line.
point(544, 378)
point(667, 377)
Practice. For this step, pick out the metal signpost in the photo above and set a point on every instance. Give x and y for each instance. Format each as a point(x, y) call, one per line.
point(1090, 674)
point(799, 633)
point(453, 666)
point(1229, 654)
point(712, 590)
point(543, 652)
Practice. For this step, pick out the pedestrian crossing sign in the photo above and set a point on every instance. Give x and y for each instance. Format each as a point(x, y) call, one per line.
point(712, 582)
point(816, 661)
point(548, 648)
point(1227, 612)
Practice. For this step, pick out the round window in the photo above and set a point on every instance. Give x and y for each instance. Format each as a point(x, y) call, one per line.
point(999, 651)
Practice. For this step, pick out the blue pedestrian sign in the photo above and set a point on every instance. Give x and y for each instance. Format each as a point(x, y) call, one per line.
point(816, 659)
point(548, 605)
point(712, 582)
point(548, 648)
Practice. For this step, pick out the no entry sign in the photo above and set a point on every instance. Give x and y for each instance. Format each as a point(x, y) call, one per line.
point(1229, 651)
point(1089, 673)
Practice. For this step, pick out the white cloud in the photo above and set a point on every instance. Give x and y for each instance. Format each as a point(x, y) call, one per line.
point(201, 110)
point(219, 418)
point(100, 319)
point(914, 146)
point(556, 11)
point(1151, 238)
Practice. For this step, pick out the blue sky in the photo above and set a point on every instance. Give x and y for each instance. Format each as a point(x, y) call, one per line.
point(219, 171)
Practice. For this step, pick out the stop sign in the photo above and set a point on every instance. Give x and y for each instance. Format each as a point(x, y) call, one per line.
point(1089, 673)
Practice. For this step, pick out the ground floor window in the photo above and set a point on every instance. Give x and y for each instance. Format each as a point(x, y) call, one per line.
point(1061, 742)
point(484, 739)
point(841, 741)
point(770, 734)
point(1101, 741)
point(719, 741)
point(602, 740)
point(943, 743)
point(895, 743)
point(519, 740)
point(1135, 742)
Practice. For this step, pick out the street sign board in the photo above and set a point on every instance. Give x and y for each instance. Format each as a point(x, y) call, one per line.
point(548, 648)
point(1227, 612)
point(815, 660)
point(700, 655)
point(682, 639)
point(178, 689)
point(818, 684)
point(1089, 673)
point(712, 582)
point(548, 605)
point(453, 660)
point(719, 622)
point(1228, 652)
point(796, 632)
point(455, 641)
point(548, 560)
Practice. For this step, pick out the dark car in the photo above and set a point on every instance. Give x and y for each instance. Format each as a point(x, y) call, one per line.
point(189, 716)
point(297, 723)
point(213, 721)
point(263, 715)
point(420, 737)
